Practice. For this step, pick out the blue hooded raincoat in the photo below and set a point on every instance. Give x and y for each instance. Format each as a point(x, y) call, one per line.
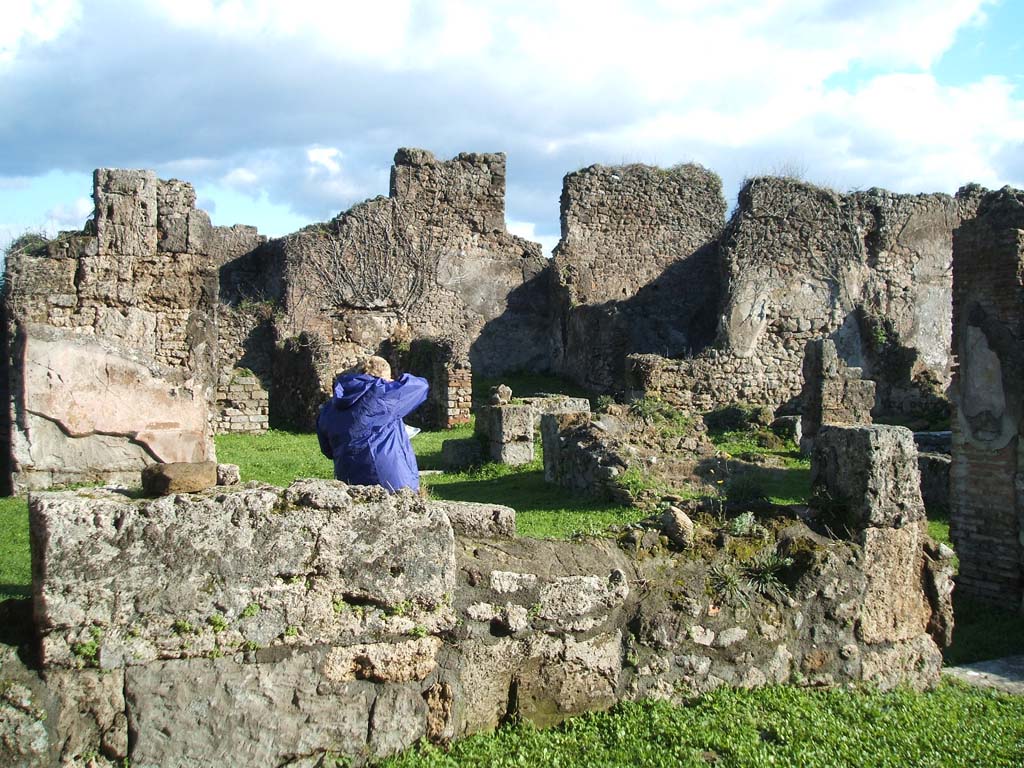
point(361, 429)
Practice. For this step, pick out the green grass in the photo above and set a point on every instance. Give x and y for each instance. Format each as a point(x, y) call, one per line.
point(788, 482)
point(543, 510)
point(15, 565)
point(775, 726)
point(277, 457)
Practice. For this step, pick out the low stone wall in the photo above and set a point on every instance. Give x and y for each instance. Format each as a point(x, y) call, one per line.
point(243, 404)
point(263, 627)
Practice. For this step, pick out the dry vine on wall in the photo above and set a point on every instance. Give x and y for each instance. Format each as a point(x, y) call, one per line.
point(373, 258)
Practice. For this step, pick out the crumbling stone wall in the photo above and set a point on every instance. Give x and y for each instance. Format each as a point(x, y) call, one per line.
point(833, 393)
point(434, 258)
point(450, 399)
point(112, 337)
point(635, 270)
point(986, 483)
point(266, 626)
point(246, 341)
point(871, 270)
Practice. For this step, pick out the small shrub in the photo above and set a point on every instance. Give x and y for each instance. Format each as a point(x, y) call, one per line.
point(183, 627)
point(764, 574)
point(725, 584)
point(250, 610)
point(89, 651)
point(656, 412)
point(217, 622)
point(33, 243)
point(742, 525)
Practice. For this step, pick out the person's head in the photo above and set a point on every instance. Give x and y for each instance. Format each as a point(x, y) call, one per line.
point(376, 366)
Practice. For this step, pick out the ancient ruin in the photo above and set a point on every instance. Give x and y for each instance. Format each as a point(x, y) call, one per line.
point(987, 509)
point(286, 625)
point(275, 626)
point(871, 270)
point(650, 291)
point(112, 336)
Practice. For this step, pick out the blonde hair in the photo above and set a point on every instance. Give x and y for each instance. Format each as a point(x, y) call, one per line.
point(376, 366)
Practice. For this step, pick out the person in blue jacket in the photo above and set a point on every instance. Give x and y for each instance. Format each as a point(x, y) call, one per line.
point(361, 427)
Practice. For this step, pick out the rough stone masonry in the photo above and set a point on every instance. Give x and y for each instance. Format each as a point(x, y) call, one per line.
point(986, 483)
point(112, 340)
point(261, 626)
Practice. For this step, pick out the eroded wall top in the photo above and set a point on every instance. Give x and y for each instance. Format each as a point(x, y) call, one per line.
point(113, 335)
point(623, 225)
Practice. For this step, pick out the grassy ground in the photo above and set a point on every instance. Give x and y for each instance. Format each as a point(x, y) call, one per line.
point(776, 726)
point(15, 570)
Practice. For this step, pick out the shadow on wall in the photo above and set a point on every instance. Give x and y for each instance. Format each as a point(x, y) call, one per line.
point(521, 337)
point(674, 316)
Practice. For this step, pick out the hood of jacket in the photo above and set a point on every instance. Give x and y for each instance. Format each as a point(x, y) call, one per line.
point(348, 389)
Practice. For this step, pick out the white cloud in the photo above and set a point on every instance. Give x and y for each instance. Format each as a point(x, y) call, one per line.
point(68, 216)
point(303, 103)
point(325, 157)
point(28, 22)
point(241, 178)
point(528, 230)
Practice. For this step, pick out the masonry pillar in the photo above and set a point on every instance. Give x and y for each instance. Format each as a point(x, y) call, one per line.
point(987, 469)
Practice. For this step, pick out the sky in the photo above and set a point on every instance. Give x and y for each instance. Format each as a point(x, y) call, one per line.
point(283, 113)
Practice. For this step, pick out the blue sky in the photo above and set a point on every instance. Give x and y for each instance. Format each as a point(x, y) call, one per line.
point(285, 113)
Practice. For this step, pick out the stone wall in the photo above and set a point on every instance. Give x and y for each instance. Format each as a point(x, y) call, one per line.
point(833, 393)
point(450, 399)
point(243, 405)
point(112, 337)
point(261, 626)
point(870, 270)
point(246, 342)
point(634, 269)
point(986, 482)
point(432, 260)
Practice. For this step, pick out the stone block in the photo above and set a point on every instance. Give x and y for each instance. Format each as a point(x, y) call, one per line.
point(512, 453)
point(200, 232)
point(470, 518)
point(510, 423)
point(187, 575)
point(894, 607)
point(869, 473)
point(228, 474)
point(179, 477)
point(91, 410)
point(552, 429)
point(459, 454)
point(564, 677)
point(126, 211)
point(833, 393)
point(173, 235)
point(221, 711)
